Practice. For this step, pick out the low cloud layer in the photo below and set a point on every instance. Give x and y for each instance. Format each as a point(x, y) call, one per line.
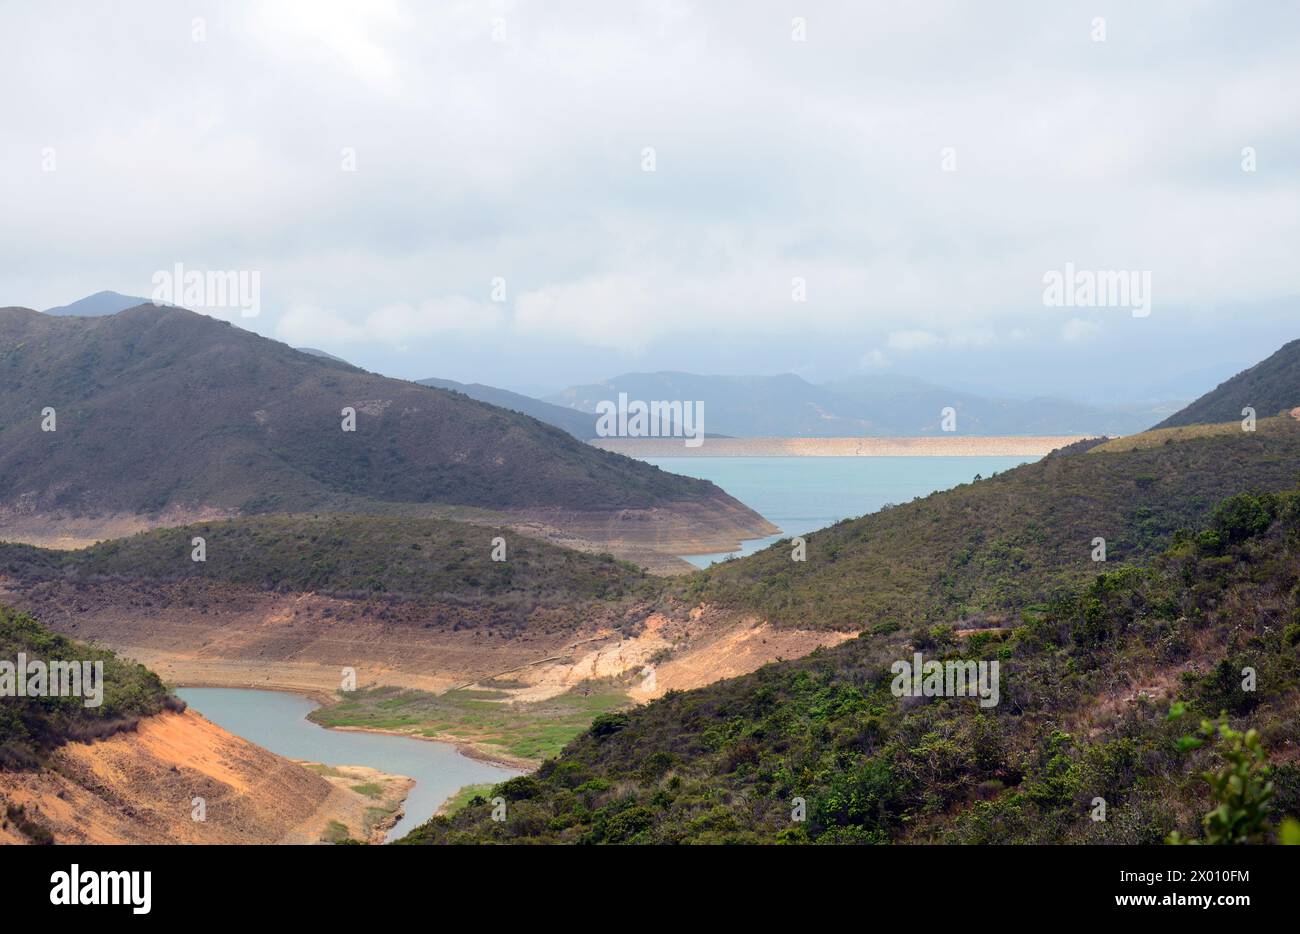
point(461, 189)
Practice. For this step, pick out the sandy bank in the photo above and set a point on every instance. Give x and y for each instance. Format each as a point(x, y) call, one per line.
point(954, 446)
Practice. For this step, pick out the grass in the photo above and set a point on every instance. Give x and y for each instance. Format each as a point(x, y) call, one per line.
point(533, 730)
point(1159, 437)
point(369, 789)
point(335, 832)
point(462, 798)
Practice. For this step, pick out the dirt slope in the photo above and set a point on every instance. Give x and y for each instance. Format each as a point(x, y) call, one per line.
point(139, 787)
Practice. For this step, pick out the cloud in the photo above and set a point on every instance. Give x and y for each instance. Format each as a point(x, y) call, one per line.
point(1077, 329)
point(520, 158)
point(605, 311)
point(397, 326)
point(874, 360)
point(911, 340)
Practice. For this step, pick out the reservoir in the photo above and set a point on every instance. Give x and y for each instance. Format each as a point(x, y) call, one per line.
point(801, 494)
point(278, 721)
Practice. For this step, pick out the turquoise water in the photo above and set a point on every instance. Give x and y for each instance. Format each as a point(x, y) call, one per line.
point(801, 494)
point(277, 721)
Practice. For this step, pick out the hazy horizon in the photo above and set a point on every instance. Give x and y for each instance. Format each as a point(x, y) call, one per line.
point(467, 192)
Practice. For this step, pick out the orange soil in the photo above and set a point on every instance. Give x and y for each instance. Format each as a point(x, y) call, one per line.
point(140, 786)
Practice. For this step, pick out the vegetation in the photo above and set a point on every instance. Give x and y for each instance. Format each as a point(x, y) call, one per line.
point(31, 726)
point(991, 548)
point(532, 730)
point(32, 829)
point(343, 555)
point(1081, 747)
point(162, 408)
point(469, 794)
point(1241, 788)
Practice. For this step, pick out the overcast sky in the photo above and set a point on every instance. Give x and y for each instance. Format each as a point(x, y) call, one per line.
point(508, 140)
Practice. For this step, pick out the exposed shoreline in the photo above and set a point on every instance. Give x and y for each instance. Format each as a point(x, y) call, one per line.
point(948, 446)
point(467, 748)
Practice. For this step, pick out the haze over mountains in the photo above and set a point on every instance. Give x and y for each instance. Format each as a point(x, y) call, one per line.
point(999, 568)
point(101, 303)
point(581, 425)
point(163, 411)
point(784, 405)
point(1099, 660)
point(1269, 387)
point(787, 405)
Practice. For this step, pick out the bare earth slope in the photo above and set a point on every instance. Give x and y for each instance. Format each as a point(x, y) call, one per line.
point(140, 786)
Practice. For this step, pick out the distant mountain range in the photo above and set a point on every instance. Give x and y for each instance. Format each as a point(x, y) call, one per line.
point(1200, 533)
point(581, 425)
point(787, 405)
point(99, 304)
point(783, 405)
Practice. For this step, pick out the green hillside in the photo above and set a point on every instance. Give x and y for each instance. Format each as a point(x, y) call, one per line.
point(992, 546)
point(31, 726)
point(1269, 387)
point(342, 555)
point(1101, 692)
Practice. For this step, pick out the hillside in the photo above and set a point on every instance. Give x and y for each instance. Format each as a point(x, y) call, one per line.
point(989, 547)
point(579, 424)
point(787, 405)
point(341, 556)
point(1269, 387)
point(288, 601)
point(100, 303)
point(31, 727)
point(165, 414)
point(1097, 691)
point(128, 770)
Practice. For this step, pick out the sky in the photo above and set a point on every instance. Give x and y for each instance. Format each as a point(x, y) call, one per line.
point(533, 195)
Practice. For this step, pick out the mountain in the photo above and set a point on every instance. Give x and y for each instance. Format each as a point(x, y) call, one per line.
point(994, 546)
point(1269, 387)
point(1096, 695)
point(320, 353)
point(787, 405)
point(343, 556)
point(163, 414)
point(411, 603)
point(101, 303)
point(1099, 663)
point(579, 424)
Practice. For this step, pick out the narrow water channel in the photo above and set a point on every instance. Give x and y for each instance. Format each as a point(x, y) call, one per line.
point(278, 721)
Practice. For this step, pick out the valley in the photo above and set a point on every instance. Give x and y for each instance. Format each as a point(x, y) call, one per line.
point(445, 627)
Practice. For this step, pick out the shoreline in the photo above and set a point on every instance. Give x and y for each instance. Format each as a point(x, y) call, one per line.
point(470, 750)
point(467, 748)
point(929, 446)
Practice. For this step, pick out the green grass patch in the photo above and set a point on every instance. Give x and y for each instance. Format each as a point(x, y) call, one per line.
point(462, 798)
point(527, 730)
